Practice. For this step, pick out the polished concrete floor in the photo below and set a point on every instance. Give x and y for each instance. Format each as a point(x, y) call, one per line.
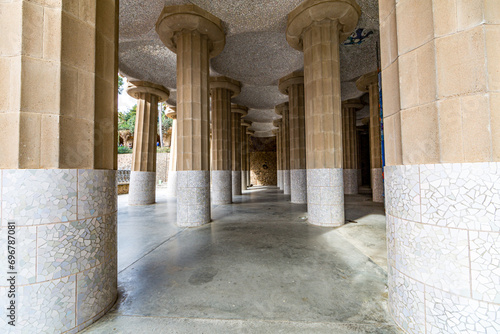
point(259, 267)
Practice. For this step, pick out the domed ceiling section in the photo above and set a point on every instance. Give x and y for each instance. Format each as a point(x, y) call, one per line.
point(256, 51)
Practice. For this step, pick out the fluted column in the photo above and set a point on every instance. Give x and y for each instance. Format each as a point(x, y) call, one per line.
point(244, 155)
point(195, 36)
point(316, 28)
point(237, 112)
point(350, 145)
point(172, 166)
point(369, 83)
point(142, 189)
point(283, 111)
point(277, 123)
point(293, 86)
point(250, 133)
point(222, 90)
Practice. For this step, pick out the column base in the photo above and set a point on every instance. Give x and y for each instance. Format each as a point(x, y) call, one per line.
point(172, 184)
point(377, 185)
point(360, 177)
point(221, 187)
point(65, 230)
point(142, 188)
point(236, 182)
point(298, 179)
point(278, 178)
point(286, 182)
point(325, 197)
point(244, 185)
point(444, 247)
point(193, 198)
point(351, 181)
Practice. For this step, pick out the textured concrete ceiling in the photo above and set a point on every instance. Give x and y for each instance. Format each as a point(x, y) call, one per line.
point(256, 51)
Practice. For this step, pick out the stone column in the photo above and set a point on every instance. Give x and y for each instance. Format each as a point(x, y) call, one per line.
point(142, 189)
point(369, 83)
point(283, 111)
point(316, 28)
point(222, 90)
point(250, 133)
point(277, 123)
point(172, 167)
point(237, 112)
point(350, 145)
point(244, 155)
point(58, 146)
point(441, 109)
point(195, 36)
point(293, 86)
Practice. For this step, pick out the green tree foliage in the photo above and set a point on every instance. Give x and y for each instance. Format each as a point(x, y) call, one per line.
point(165, 121)
point(126, 121)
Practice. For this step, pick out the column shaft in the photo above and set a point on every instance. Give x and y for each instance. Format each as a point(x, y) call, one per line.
point(244, 158)
point(377, 180)
point(172, 167)
point(193, 165)
point(236, 152)
point(248, 169)
point(323, 124)
point(350, 146)
point(285, 144)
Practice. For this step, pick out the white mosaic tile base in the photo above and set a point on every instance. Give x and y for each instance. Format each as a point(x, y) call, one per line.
point(66, 247)
point(142, 188)
point(350, 181)
point(244, 184)
point(286, 182)
point(377, 180)
point(443, 243)
point(325, 197)
point(280, 179)
point(222, 192)
point(298, 180)
point(193, 198)
point(236, 182)
point(172, 184)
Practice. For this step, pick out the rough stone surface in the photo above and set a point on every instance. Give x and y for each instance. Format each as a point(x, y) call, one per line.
point(236, 182)
point(350, 181)
point(298, 181)
point(142, 188)
point(221, 187)
point(377, 185)
point(449, 210)
point(325, 197)
point(263, 168)
point(286, 182)
point(193, 198)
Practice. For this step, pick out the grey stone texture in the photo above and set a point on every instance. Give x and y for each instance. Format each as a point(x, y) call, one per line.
point(298, 180)
point(142, 189)
point(193, 198)
point(221, 187)
point(236, 182)
point(351, 181)
point(286, 182)
point(377, 185)
point(172, 183)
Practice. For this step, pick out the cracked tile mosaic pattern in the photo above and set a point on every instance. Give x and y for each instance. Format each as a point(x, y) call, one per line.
point(298, 180)
point(34, 197)
point(221, 187)
point(142, 189)
point(193, 198)
point(325, 196)
point(59, 242)
point(451, 246)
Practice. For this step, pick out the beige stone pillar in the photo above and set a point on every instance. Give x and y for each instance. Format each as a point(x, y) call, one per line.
point(244, 155)
point(58, 144)
point(142, 189)
point(283, 111)
point(237, 112)
point(369, 83)
point(172, 166)
point(293, 86)
point(350, 145)
point(222, 90)
point(277, 123)
point(317, 28)
point(441, 105)
point(250, 133)
point(195, 36)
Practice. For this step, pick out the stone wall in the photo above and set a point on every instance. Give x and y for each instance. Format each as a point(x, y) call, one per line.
point(263, 163)
point(162, 162)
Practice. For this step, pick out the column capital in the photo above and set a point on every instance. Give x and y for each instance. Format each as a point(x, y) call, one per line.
point(246, 124)
point(135, 88)
point(250, 132)
point(231, 85)
point(174, 19)
point(346, 12)
point(239, 109)
point(277, 123)
point(365, 81)
point(172, 113)
point(295, 78)
point(281, 109)
point(353, 103)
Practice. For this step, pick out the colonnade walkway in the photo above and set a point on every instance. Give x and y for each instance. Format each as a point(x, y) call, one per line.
point(259, 267)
